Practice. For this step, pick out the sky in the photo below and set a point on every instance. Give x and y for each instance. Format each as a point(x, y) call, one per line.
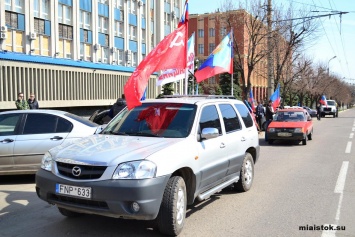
point(334, 38)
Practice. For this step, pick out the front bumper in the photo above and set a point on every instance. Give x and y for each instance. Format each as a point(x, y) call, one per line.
point(293, 137)
point(111, 198)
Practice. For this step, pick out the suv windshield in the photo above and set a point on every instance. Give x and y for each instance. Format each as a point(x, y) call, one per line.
point(172, 120)
point(289, 116)
point(330, 102)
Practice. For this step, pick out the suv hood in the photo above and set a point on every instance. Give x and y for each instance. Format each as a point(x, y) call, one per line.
point(107, 150)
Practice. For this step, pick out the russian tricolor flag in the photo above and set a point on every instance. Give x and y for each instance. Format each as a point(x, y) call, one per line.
point(323, 100)
point(185, 14)
point(275, 98)
point(251, 100)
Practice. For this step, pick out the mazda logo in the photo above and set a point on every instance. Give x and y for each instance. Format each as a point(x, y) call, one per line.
point(76, 171)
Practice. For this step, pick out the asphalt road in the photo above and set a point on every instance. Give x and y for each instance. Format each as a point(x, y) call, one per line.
point(295, 187)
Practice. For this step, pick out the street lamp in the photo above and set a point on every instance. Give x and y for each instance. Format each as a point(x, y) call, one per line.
point(329, 62)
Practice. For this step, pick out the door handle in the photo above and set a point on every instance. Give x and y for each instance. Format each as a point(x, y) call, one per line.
point(222, 145)
point(7, 140)
point(243, 139)
point(56, 138)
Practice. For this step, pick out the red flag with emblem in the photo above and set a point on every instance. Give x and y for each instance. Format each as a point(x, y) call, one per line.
point(169, 53)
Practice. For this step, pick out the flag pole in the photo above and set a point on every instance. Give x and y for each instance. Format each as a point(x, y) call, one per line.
point(232, 37)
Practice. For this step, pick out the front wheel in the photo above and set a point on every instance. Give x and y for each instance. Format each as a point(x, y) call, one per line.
point(172, 213)
point(246, 174)
point(310, 135)
point(304, 141)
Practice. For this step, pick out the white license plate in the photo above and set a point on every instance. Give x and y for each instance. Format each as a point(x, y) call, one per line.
point(284, 134)
point(83, 192)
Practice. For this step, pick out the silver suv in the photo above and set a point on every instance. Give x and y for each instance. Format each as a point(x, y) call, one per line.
point(152, 161)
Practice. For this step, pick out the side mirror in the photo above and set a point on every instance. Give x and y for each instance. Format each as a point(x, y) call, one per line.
point(309, 118)
point(209, 133)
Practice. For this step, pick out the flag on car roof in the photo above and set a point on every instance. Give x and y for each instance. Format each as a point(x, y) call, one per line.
point(323, 101)
point(275, 98)
point(185, 14)
point(169, 53)
point(219, 61)
point(251, 100)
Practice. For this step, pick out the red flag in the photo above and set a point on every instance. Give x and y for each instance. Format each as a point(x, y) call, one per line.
point(169, 53)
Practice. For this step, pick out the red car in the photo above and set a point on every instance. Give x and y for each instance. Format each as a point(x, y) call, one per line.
point(291, 124)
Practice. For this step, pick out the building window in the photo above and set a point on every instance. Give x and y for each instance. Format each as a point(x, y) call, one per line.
point(119, 28)
point(211, 47)
point(143, 35)
point(200, 49)
point(85, 51)
point(103, 1)
point(143, 11)
point(39, 26)
point(134, 7)
point(105, 55)
point(223, 31)
point(132, 32)
point(212, 32)
point(118, 4)
point(200, 33)
point(64, 14)
point(120, 55)
point(85, 20)
point(65, 32)
point(11, 20)
point(41, 9)
point(103, 24)
point(134, 59)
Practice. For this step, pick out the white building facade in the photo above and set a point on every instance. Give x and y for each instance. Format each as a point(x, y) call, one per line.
point(83, 41)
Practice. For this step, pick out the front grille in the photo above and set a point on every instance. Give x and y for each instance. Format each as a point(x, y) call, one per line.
point(78, 201)
point(291, 130)
point(327, 109)
point(87, 171)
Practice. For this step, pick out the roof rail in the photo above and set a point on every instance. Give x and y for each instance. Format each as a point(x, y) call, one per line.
point(198, 96)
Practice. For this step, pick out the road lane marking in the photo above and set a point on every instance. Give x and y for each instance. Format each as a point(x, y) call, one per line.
point(351, 135)
point(339, 187)
point(348, 147)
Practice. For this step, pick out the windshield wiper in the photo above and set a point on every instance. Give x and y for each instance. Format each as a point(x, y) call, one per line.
point(144, 134)
point(118, 133)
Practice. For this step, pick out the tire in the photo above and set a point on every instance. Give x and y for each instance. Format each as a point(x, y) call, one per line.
point(333, 115)
point(172, 213)
point(67, 213)
point(246, 174)
point(304, 141)
point(309, 136)
point(271, 141)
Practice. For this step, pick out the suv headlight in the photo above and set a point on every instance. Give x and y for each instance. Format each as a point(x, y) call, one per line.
point(271, 130)
point(135, 170)
point(46, 163)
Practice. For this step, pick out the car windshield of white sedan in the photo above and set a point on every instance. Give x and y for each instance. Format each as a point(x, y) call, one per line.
point(171, 120)
point(289, 116)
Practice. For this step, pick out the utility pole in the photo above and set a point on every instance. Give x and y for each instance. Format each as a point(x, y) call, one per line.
point(270, 61)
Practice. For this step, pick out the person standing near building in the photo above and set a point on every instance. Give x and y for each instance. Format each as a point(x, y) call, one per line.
point(269, 116)
point(21, 103)
point(32, 102)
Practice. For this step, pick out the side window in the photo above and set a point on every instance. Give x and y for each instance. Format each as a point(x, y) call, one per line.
point(64, 125)
point(210, 119)
point(40, 123)
point(8, 124)
point(244, 112)
point(230, 118)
